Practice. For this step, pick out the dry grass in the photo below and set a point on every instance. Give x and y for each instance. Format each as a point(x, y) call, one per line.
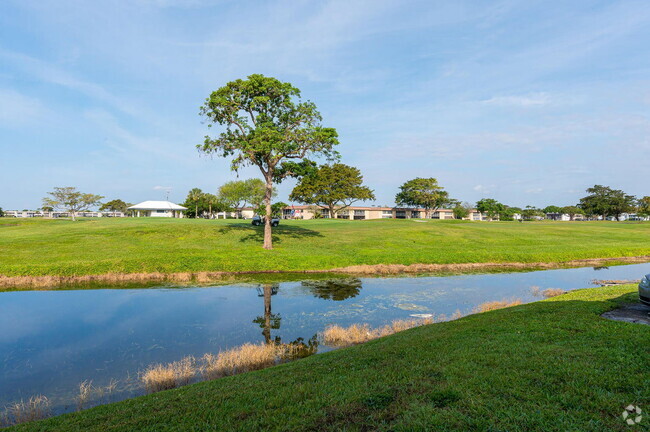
point(338, 336)
point(85, 392)
point(553, 292)
point(245, 358)
point(496, 304)
point(36, 408)
point(160, 377)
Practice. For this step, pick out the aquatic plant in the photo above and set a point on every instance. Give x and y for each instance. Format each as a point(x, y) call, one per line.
point(36, 408)
point(496, 304)
point(160, 377)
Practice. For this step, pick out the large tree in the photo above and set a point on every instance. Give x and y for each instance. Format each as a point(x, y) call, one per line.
point(332, 187)
point(422, 192)
point(491, 207)
point(572, 211)
point(71, 200)
point(605, 201)
point(267, 125)
point(643, 206)
point(116, 205)
point(237, 193)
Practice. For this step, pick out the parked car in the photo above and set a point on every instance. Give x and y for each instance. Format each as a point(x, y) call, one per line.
point(644, 290)
point(258, 220)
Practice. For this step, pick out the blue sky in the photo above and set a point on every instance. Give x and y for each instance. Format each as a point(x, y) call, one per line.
point(528, 102)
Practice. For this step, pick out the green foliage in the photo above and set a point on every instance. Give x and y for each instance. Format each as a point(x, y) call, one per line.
point(643, 206)
point(572, 211)
point(2, 213)
point(276, 209)
point(491, 207)
point(553, 365)
point(200, 203)
point(116, 205)
point(237, 193)
point(71, 200)
point(268, 126)
point(422, 192)
point(605, 201)
point(552, 209)
point(462, 210)
point(532, 213)
point(334, 187)
point(509, 213)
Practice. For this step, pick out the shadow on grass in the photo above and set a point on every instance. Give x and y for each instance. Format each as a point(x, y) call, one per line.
point(250, 233)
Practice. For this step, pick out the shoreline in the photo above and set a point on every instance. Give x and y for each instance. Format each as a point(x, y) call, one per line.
point(52, 281)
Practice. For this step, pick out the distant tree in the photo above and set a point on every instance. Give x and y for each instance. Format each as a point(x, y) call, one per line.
point(531, 213)
point(491, 207)
point(643, 206)
point(268, 126)
point(605, 201)
point(462, 210)
point(116, 205)
point(71, 200)
point(552, 209)
point(509, 213)
point(213, 203)
point(422, 192)
point(237, 193)
point(572, 211)
point(47, 208)
point(2, 213)
point(194, 198)
point(276, 209)
point(332, 187)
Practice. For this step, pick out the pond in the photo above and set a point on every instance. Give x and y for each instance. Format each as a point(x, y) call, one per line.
point(53, 340)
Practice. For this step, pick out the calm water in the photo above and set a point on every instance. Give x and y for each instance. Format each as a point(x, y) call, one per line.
point(53, 340)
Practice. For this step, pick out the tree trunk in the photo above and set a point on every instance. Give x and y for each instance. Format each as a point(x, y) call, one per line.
point(196, 211)
point(73, 215)
point(268, 194)
point(267, 313)
point(332, 213)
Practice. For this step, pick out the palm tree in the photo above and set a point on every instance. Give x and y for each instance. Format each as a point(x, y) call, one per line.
point(195, 196)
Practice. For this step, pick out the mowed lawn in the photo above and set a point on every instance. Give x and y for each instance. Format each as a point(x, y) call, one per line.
point(553, 365)
point(129, 245)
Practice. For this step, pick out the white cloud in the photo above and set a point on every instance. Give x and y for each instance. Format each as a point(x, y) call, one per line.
point(529, 100)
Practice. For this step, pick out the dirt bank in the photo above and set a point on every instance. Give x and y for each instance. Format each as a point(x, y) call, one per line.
point(45, 282)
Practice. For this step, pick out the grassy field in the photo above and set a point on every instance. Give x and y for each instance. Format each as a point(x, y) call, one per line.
point(130, 245)
point(553, 365)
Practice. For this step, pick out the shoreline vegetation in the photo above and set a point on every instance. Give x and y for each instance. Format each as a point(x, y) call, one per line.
point(248, 357)
point(448, 376)
point(54, 281)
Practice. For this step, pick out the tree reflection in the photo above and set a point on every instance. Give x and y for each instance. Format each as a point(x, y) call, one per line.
point(334, 289)
point(270, 321)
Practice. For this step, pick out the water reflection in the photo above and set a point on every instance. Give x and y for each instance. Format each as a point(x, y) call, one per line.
point(270, 321)
point(334, 289)
point(54, 340)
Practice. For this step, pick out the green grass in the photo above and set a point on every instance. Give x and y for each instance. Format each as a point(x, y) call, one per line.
point(554, 365)
point(130, 245)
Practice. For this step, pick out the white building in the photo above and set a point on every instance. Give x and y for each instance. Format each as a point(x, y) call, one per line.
point(158, 209)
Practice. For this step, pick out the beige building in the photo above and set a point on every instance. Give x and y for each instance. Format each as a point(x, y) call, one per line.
point(362, 213)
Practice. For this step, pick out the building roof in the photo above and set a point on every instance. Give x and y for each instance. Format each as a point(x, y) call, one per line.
point(157, 205)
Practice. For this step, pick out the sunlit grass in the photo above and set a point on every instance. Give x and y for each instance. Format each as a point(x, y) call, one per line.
point(132, 245)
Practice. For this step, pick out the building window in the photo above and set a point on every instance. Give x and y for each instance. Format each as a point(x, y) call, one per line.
point(359, 214)
point(387, 214)
point(325, 214)
point(161, 211)
point(435, 215)
point(343, 214)
point(400, 214)
point(415, 214)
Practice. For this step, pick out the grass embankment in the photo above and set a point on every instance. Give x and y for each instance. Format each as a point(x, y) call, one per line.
point(118, 246)
point(553, 365)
